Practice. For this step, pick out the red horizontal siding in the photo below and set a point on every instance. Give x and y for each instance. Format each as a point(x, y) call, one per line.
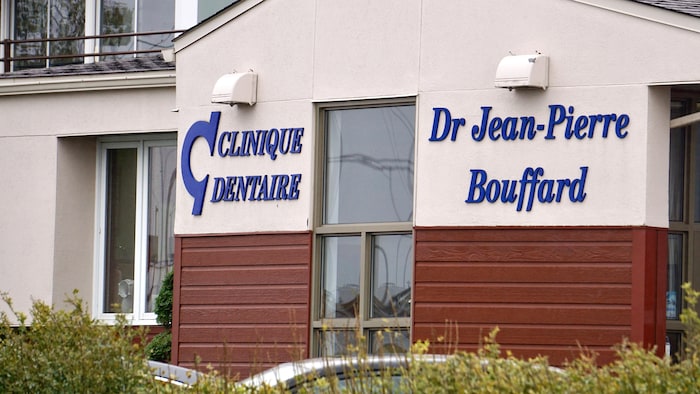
point(551, 291)
point(533, 272)
point(242, 300)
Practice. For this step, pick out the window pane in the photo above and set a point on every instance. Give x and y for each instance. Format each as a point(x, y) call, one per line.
point(696, 181)
point(31, 20)
point(675, 339)
point(161, 213)
point(155, 15)
point(117, 17)
point(119, 230)
point(675, 275)
point(67, 20)
point(137, 16)
point(389, 341)
point(337, 342)
point(392, 269)
point(340, 277)
point(369, 165)
point(676, 175)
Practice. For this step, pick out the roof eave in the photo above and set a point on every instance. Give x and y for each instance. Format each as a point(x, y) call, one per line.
point(213, 23)
point(648, 12)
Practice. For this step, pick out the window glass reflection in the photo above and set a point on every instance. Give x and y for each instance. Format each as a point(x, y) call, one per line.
point(392, 268)
point(35, 19)
point(340, 277)
point(119, 230)
point(389, 341)
point(676, 175)
point(675, 276)
point(161, 213)
point(155, 15)
point(136, 16)
point(338, 342)
point(67, 20)
point(369, 165)
point(117, 17)
point(696, 164)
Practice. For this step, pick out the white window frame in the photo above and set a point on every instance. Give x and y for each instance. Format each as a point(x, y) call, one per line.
point(141, 142)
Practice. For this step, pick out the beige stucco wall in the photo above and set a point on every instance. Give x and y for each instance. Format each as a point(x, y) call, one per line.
point(445, 53)
point(47, 212)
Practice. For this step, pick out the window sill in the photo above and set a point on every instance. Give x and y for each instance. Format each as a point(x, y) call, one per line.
point(111, 319)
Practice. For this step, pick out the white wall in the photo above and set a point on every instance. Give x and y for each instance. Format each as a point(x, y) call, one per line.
point(616, 180)
point(284, 65)
point(445, 54)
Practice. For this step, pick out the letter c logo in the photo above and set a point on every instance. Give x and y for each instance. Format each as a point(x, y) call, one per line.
point(196, 188)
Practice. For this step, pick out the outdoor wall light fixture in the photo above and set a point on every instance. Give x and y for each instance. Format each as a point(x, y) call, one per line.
point(523, 71)
point(236, 88)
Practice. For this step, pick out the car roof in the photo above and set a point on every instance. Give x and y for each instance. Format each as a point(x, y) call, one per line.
point(174, 374)
point(287, 373)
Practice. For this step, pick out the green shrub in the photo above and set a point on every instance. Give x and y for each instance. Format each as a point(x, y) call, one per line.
point(160, 346)
point(66, 351)
point(164, 302)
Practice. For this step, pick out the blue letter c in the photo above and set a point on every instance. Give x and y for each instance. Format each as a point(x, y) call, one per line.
point(194, 187)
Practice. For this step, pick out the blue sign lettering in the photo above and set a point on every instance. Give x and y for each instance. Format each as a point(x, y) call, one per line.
point(264, 142)
point(562, 121)
point(530, 187)
point(206, 130)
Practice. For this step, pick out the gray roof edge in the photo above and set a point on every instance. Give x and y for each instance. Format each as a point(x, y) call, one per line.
point(649, 12)
point(131, 65)
point(688, 7)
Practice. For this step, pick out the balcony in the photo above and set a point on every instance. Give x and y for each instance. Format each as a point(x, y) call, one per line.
point(27, 54)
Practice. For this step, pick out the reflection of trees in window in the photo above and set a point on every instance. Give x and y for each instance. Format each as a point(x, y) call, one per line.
point(136, 16)
point(117, 17)
point(40, 19)
point(392, 258)
point(30, 23)
point(67, 20)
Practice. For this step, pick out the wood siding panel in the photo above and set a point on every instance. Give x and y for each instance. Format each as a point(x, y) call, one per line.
point(223, 276)
point(507, 272)
point(549, 290)
point(246, 256)
point(243, 300)
point(524, 293)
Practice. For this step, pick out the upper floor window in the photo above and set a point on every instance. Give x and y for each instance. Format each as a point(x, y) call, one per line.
point(41, 19)
point(136, 16)
point(42, 23)
point(136, 201)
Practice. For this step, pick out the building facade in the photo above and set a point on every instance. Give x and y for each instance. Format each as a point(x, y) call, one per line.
point(409, 171)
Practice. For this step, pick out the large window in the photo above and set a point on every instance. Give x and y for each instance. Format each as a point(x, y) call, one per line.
point(364, 242)
point(136, 201)
point(684, 213)
point(52, 19)
point(41, 19)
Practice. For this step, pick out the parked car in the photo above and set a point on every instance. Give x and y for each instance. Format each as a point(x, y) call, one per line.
point(173, 374)
point(349, 371)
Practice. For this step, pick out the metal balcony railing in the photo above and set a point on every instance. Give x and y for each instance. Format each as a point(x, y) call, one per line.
point(8, 58)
